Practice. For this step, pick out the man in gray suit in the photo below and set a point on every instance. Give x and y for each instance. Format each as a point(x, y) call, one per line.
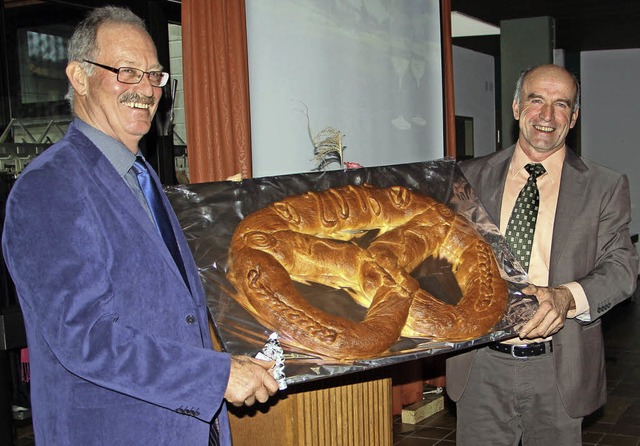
point(538, 387)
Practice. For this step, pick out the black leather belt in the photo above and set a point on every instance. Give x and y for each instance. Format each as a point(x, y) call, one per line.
point(524, 350)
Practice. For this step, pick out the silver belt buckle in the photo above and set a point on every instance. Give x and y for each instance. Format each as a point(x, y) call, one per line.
point(513, 352)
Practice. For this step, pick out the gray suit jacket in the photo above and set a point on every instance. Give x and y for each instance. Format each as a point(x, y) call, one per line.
point(591, 246)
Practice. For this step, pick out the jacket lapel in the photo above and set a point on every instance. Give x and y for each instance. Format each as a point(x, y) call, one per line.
point(493, 180)
point(183, 246)
point(117, 192)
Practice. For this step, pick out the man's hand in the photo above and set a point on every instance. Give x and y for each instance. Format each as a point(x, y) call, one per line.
point(249, 381)
point(555, 303)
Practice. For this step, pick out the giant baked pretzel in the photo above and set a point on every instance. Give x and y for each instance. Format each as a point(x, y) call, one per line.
point(310, 238)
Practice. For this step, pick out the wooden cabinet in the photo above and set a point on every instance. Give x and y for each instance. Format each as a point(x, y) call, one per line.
point(351, 410)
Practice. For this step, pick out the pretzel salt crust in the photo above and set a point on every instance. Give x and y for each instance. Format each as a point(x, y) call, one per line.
point(309, 238)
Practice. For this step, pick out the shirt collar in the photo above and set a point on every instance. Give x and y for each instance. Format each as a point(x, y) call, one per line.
point(552, 164)
point(117, 153)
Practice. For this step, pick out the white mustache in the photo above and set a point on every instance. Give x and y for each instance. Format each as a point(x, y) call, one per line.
point(136, 98)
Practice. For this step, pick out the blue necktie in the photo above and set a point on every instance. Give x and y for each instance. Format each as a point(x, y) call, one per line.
point(214, 435)
point(158, 212)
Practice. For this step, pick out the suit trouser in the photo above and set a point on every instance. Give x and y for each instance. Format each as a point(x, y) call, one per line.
point(507, 399)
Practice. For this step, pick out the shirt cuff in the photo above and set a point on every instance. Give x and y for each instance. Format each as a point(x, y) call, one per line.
point(582, 304)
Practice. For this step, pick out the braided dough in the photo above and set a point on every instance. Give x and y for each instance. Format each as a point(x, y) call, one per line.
point(310, 238)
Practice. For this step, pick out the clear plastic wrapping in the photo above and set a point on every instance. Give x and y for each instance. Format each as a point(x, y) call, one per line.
point(209, 213)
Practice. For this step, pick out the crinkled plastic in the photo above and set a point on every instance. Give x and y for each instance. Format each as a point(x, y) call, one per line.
point(209, 213)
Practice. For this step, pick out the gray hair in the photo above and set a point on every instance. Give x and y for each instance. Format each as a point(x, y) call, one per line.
point(517, 96)
point(83, 43)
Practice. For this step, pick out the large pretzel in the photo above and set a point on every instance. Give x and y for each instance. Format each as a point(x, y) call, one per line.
point(309, 238)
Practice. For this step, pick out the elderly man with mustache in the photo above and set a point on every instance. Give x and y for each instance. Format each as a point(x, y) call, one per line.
point(114, 309)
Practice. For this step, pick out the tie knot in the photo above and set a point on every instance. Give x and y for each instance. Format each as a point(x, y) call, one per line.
point(535, 169)
point(139, 166)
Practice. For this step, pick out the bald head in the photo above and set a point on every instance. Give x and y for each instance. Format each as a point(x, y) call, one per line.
point(551, 71)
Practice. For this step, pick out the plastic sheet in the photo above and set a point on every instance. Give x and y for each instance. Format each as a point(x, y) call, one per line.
point(210, 212)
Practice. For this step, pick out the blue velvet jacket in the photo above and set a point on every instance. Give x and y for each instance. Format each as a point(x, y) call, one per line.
point(119, 346)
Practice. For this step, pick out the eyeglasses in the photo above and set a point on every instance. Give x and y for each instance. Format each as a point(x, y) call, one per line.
point(128, 75)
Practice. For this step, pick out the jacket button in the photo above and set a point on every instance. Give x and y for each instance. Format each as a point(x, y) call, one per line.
point(191, 319)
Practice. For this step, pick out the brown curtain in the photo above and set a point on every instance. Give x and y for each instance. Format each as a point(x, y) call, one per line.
point(216, 89)
point(447, 73)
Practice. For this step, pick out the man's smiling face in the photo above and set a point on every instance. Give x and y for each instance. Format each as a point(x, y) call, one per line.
point(545, 111)
point(122, 111)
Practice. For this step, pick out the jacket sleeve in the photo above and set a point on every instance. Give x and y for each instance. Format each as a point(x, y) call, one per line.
point(614, 276)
